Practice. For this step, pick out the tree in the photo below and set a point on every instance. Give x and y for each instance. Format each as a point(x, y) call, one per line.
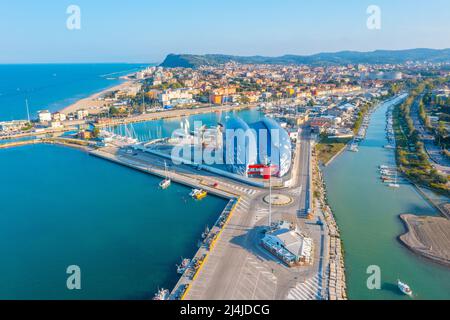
point(96, 132)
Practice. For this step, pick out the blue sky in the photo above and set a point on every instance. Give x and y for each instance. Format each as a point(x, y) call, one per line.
point(146, 30)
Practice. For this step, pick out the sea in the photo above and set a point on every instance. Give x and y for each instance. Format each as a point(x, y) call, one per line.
point(53, 86)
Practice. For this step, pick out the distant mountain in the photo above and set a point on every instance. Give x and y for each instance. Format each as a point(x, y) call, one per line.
point(337, 58)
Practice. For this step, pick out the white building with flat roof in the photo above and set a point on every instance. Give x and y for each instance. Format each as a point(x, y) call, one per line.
point(287, 243)
point(81, 114)
point(44, 116)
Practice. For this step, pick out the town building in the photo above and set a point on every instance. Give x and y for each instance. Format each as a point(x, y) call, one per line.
point(44, 116)
point(287, 243)
point(12, 126)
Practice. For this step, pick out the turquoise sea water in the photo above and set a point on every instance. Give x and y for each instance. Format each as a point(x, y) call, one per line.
point(367, 214)
point(53, 86)
point(62, 207)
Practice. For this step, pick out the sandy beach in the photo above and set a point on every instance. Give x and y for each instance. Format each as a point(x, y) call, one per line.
point(427, 236)
point(92, 103)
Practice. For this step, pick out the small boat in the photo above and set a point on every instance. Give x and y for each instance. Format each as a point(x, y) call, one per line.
point(394, 184)
point(205, 233)
point(198, 194)
point(183, 266)
point(404, 288)
point(162, 294)
point(166, 182)
point(354, 147)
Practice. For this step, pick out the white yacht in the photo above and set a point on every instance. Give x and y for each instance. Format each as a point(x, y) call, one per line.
point(404, 288)
point(166, 182)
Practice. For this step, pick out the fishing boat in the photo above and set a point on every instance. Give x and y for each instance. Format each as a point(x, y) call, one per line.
point(162, 294)
point(205, 233)
point(198, 194)
point(183, 266)
point(166, 182)
point(394, 184)
point(404, 288)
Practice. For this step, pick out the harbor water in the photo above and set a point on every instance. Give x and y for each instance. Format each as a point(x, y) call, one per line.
point(62, 207)
point(367, 213)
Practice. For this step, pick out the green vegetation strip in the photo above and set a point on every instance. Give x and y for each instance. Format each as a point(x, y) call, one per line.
point(412, 159)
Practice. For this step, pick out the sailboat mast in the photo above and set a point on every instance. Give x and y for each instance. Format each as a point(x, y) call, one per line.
point(28, 110)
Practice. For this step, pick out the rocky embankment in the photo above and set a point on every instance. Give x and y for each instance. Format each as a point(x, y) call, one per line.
point(337, 289)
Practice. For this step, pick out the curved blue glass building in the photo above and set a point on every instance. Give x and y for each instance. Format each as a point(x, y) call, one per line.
point(240, 146)
point(263, 142)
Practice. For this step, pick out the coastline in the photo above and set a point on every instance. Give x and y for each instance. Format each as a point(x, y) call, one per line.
point(92, 100)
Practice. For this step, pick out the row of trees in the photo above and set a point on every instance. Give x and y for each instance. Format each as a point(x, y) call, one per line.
point(411, 155)
point(362, 112)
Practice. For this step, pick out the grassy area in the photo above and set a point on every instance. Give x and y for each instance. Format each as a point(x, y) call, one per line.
point(327, 148)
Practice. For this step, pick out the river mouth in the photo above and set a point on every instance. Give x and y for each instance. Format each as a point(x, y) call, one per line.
point(367, 214)
point(61, 207)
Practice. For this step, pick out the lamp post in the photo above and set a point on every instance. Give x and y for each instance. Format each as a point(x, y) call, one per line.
point(270, 201)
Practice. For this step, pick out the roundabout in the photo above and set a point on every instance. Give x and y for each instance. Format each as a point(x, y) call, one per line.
point(278, 199)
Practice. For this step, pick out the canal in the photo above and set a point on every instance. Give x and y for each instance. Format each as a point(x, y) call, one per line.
point(367, 213)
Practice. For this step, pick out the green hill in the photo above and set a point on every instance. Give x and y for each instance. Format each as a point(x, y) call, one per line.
point(337, 58)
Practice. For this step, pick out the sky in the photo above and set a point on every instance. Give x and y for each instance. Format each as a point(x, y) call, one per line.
point(147, 30)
